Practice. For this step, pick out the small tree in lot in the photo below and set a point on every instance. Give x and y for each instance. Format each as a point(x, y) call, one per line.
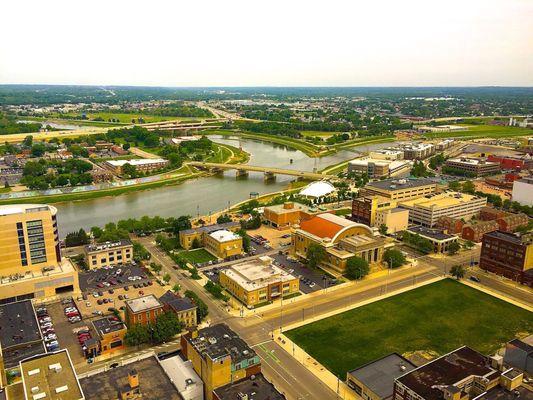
point(156, 268)
point(394, 258)
point(315, 255)
point(166, 278)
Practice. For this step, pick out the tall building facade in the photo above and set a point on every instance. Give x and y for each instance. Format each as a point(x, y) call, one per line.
point(31, 264)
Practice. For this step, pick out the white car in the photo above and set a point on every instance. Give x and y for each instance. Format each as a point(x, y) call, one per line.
point(52, 343)
point(70, 309)
point(131, 278)
point(45, 319)
point(50, 337)
point(312, 285)
point(95, 295)
point(46, 325)
point(87, 303)
point(74, 319)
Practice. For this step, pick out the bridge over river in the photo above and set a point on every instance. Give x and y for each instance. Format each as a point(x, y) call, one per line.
point(270, 172)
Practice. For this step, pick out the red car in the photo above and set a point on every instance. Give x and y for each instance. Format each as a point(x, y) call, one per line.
point(73, 314)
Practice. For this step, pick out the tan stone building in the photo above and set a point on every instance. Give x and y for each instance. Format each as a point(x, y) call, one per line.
point(31, 265)
point(258, 281)
point(377, 210)
point(341, 238)
point(283, 216)
point(108, 254)
point(223, 244)
point(400, 189)
point(187, 236)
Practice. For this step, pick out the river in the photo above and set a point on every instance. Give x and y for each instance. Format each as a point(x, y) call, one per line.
point(199, 196)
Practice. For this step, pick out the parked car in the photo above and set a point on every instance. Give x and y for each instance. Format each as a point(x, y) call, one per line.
point(73, 320)
point(50, 337)
point(474, 278)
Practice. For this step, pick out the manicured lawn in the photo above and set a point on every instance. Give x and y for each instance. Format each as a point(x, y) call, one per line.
point(197, 256)
point(317, 133)
point(126, 118)
point(440, 317)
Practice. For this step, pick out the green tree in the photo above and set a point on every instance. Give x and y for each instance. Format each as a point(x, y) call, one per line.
point(394, 258)
point(166, 278)
point(246, 242)
point(454, 185)
point(469, 244)
point(129, 170)
point(457, 271)
point(166, 327)
point(356, 268)
point(202, 310)
point(136, 335)
point(96, 231)
point(126, 146)
point(453, 248)
point(315, 255)
point(383, 229)
point(28, 141)
point(156, 268)
point(38, 149)
point(223, 219)
point(176, 288)
point(181, 223)
point(468, 187)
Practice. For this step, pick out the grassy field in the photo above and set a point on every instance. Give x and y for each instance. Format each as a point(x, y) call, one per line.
point(197, 256)
point(126, 118)
point(440, 317)
point(484, 131)
point(323, 134)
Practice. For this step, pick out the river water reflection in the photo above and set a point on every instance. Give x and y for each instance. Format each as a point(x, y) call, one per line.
point(198, 196)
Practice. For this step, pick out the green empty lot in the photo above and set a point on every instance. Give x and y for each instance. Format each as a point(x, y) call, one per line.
point(197, 256)
point(441, 317)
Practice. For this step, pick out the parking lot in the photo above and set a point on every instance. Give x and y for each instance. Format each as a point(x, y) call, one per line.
point(112, 277)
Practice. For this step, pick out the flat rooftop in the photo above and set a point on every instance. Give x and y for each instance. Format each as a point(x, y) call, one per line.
point(212, 228)
point(511, 237)
point(220, 341)
point(445, 371)
point(400, 184)
point(50, 376)
point(108, 325)
point(223, 235)
point(256, 273)
point(144, 303)
point(25, 208)
point(471, 161)
point(435, 234)
point(107, 245)
point(257, 389)
point(18, 324)
point(153, 381)
point(379, 375)
point(280, 208)
point(182, 374)
point(441, 200)
point(499, 393)
point(136, 162)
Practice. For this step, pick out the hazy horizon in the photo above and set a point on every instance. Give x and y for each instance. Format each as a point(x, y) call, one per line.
point(209, 44)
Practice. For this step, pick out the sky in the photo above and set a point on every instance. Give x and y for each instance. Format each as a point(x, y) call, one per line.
point(267, 43)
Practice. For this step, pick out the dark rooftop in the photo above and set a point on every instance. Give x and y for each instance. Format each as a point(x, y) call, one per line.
point(379, 375)
point(445, 371)
point(107, 325)
point(18, 324)
point(153, 381)
point(212, 228)
point(499, 393)
point(398, 184)
point(436, 234)
point(257, 389)
point(510, 237)
point(176, 302)
point(220, 341)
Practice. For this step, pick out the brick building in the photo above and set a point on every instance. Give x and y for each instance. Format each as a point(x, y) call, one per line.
point(143, 310)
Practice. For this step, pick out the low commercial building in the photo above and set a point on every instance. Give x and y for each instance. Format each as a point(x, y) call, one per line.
point(473, 166)
point(220, 357)
point(283, 216)
point(108, 254)
point(223, 243)
point(523, 191)
point(440, 240)
point(143, 378)
point(400, 189)
point(375, 380)
point(256, 388)
point(143, 310)
point(427, 210)
point(512, 162)
point(258, 281)
point(509, 255)
point(31, 265)
point(377, 168)
point(188, 236)
point(462, 374)
point(49, 376)
point(184, 378)
point(340, 237)
point(142, 165)
point(20, 336)
point(183, 307)
point(110, 332)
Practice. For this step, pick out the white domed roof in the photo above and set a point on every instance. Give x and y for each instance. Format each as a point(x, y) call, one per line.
point(318, 189)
